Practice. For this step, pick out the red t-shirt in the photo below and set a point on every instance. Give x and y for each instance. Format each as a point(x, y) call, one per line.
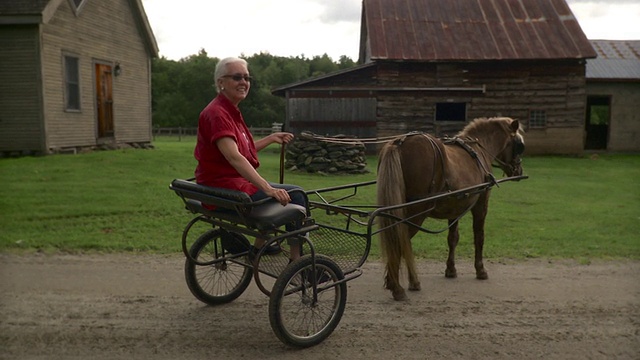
point(223, 119)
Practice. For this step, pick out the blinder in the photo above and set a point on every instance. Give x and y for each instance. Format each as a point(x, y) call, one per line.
point(517, 147)
point(513, 167)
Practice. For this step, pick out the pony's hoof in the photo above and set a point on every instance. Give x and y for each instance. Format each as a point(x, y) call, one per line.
point(451, 274)
point(399, 295)
point(482, 275)
point(415, 287)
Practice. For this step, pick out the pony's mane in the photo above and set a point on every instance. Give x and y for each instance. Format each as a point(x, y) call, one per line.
point(479, 126)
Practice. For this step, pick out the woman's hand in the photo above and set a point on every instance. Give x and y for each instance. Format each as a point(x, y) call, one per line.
point(282, 137)
point(279, 138)
point(281, 195)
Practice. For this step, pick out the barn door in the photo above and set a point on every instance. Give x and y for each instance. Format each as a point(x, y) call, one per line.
point(597, 122)
point(104, 100)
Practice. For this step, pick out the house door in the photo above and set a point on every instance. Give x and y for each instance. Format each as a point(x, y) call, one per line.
point(597, 122)
point(104, 100)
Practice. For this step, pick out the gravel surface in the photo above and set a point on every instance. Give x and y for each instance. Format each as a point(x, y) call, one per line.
point(138, 307)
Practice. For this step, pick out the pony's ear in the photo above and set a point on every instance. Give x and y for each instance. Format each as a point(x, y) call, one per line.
point(515, 125)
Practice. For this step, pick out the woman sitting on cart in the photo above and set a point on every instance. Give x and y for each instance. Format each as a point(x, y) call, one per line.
point(225, 149)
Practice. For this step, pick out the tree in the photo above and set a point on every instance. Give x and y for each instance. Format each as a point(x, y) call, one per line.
point(321, 65)
point(181, 89)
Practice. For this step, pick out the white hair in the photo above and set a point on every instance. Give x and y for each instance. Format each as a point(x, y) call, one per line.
point(221, 68)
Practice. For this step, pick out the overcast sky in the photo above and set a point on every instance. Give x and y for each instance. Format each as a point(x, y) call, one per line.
point(315, 27)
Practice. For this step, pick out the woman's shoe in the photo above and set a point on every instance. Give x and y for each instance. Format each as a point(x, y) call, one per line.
point(273, 249)
point(234, 243)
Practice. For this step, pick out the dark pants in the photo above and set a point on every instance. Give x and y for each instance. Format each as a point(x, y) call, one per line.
point(297, 198)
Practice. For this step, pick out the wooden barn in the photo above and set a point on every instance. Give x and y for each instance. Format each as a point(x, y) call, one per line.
point(434, 65)
point(613, 94)
point(74, 74)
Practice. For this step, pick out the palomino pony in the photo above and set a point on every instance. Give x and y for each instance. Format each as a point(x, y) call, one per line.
point(419, 166)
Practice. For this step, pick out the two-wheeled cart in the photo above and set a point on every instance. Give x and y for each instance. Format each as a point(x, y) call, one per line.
point(307, 297)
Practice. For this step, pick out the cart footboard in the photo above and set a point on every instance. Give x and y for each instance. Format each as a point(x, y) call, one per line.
point(348, 249)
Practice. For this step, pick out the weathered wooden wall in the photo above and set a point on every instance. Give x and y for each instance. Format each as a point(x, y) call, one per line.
point(512, 89)
point(333, 116)
point(21, 118)
point(398, 97)
point(339, 105)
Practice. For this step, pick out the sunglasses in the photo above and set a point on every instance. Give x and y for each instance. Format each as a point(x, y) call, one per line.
point(238, 77)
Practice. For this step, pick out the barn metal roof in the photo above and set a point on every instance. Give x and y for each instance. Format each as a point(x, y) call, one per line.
point(617, 60)
point(472, 30)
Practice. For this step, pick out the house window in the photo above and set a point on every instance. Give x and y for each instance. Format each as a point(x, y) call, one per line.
point(76, 5)
point(537, 119)
point(72, 83)
point(451, 111)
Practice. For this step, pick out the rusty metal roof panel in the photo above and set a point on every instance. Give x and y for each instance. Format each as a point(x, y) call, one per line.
point(435, 30)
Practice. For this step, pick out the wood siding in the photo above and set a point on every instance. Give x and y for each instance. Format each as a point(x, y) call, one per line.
point(407, 93)
point(103, 32)
point(511, 88)
point(333, 116)
point(338, 105)
point(21, 122)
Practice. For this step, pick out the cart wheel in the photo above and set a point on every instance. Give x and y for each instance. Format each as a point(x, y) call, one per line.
point(295, 318)
point(217, 283)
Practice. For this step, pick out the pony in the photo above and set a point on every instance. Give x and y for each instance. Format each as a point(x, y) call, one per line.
point(418, 166)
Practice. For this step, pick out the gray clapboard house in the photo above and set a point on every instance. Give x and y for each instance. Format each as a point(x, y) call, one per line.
point(74, 74)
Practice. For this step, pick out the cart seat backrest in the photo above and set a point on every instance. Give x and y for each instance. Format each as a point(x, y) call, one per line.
point(236, 206)
point(219, 197)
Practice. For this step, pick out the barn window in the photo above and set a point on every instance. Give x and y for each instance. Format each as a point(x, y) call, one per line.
point(537, 119)
point(72, 83)
point(451, 111)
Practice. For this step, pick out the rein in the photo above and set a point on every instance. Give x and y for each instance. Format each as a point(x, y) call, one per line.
point(356, 141)
point(398, 139)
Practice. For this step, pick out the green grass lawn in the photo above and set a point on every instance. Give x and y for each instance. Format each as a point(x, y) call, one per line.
point(113, 201)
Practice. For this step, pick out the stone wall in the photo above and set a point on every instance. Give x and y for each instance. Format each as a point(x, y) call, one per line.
point(310, 154)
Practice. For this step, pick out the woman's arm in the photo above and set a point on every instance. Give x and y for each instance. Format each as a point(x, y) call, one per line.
point(279, 137)
point(229, 149)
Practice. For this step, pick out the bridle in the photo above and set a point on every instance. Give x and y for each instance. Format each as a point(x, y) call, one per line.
point(464, 143)
point(517, 148)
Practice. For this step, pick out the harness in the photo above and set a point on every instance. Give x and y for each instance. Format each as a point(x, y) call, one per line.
point(472, 152)
point(437, 154)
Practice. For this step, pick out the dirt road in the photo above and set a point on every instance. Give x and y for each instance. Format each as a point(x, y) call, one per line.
point(138, 307)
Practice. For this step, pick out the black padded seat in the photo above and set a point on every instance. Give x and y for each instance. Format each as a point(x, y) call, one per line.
point(237, 206)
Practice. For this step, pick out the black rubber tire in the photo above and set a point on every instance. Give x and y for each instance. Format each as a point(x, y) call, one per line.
point(294, 319)
point(219, 283)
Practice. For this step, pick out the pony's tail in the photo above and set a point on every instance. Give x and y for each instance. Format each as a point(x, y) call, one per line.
point(394, 239)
